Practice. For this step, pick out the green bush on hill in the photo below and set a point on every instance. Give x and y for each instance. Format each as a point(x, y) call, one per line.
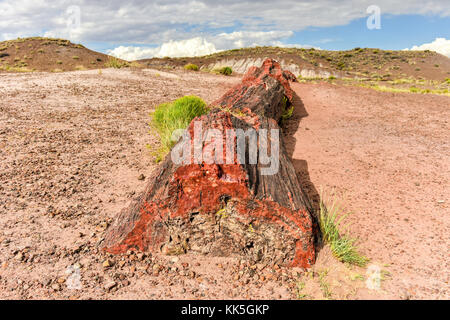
point(227, 71)
point(191, 66)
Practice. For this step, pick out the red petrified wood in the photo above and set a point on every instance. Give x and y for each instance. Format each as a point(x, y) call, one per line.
point(231, 207)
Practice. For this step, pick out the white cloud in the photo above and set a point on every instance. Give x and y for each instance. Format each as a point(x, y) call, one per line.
point(239, 39)
point(200, 46)
point(156, 22)
point(184, 48)
point(440, 45)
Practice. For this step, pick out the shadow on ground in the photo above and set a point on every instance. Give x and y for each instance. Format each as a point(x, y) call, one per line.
point(290, 127)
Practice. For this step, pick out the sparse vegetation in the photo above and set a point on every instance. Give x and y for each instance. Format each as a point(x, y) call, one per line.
point(169, 117)
point(331, 219)
point(300, 294)
point(191, 66)
point(288, 110)
point(45, 54)
point(227, 71)
point(324, 286)
point(116, 63)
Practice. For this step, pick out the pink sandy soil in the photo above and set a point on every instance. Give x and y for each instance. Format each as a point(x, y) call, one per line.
point(73, 145)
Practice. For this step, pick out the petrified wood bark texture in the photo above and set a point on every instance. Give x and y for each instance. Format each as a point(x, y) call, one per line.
point(229, 208)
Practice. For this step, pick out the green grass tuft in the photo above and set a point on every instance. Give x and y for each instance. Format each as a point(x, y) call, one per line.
point(191, 66)
point(227, 71)
point(331, 218)
point(113, 62)
point(169, 117)
point(288, 111)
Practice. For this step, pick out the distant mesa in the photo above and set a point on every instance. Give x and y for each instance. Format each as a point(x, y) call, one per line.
point(371, 64)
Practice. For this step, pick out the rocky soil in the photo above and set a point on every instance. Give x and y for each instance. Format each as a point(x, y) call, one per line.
point(73, 152)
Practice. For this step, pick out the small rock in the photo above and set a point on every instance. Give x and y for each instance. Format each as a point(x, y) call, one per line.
point(140, 256)
point(141, 177)
point(56, 287)
point(110, 285)
point(107, 263)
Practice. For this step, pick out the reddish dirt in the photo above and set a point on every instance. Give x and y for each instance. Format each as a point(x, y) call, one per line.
point(72, 149)
point(389, 154)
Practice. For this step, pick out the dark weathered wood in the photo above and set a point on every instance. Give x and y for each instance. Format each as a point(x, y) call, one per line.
point(226, 209)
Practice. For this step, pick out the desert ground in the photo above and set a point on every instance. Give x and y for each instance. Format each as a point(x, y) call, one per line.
point(74, 150)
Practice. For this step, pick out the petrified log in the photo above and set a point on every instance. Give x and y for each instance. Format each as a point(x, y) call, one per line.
point(223, 203)
point(264, 91)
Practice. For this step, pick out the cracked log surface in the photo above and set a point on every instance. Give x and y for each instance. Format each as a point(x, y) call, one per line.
point(226, 209)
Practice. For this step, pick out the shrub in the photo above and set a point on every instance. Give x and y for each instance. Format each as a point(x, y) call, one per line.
point(331, 217)
point(287, 111)
point(191, 66)
point(178, 114)
point(227, 71)
point(116, 63)
point(341, 65)
point(75, 57)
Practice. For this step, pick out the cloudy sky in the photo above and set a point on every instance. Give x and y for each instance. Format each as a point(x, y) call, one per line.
point(140, 29)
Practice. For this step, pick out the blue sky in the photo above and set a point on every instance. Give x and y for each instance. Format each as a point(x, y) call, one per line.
point(139, 29)
point(397, 32)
